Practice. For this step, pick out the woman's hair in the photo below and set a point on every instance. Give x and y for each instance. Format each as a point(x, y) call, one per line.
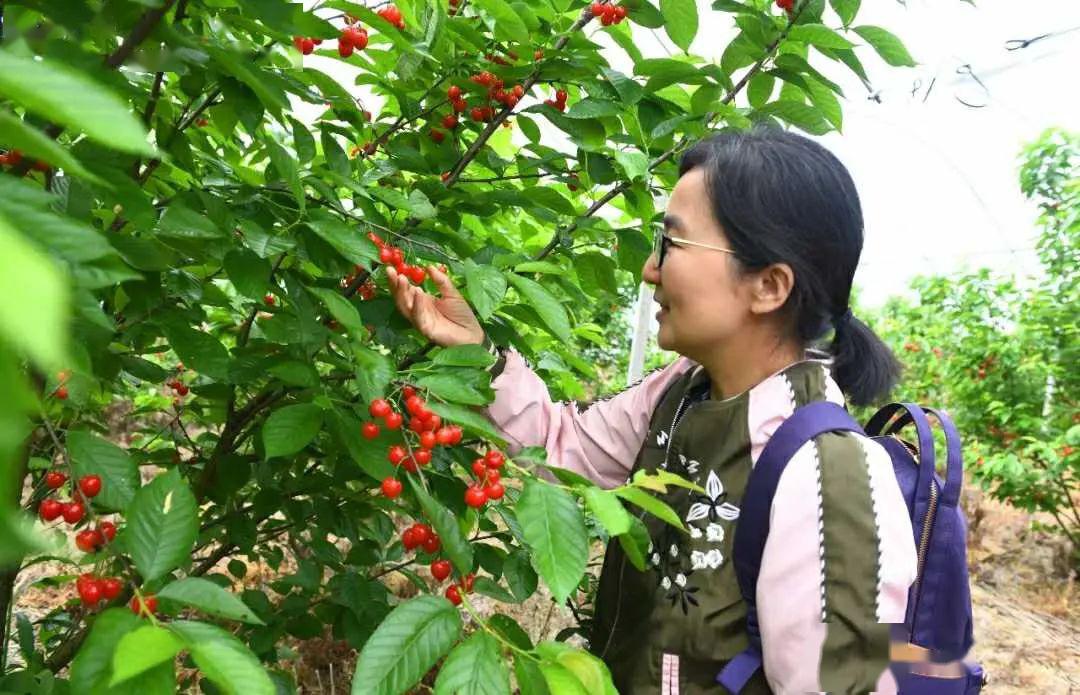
point(783, 198)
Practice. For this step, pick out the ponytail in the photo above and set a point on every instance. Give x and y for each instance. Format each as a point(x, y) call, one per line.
point(864, 367)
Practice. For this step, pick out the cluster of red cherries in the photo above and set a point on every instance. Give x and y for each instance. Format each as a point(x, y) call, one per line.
point(559, 102)
point(608, 14)
point(14, 158)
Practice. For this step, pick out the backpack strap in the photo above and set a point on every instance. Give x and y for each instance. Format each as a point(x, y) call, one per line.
point(752, 530)
point(954, 465)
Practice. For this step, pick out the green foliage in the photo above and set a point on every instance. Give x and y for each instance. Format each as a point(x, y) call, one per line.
point(196, 237)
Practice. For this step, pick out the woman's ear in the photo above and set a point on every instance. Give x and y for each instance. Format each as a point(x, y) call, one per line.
point(771, 287)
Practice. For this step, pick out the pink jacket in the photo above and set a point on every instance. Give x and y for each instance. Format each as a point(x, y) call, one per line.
point(602, 443)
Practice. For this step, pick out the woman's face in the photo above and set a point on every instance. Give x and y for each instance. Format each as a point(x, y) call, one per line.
point(703, 298)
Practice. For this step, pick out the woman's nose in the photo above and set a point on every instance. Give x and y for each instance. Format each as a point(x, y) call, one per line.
point(650, 273)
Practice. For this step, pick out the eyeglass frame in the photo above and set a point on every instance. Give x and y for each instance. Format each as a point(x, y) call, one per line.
point(662, 240)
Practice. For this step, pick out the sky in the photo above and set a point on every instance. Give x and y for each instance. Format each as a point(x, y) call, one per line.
point(937, 179)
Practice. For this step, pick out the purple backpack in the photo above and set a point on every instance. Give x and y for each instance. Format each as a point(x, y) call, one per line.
point(939, 602)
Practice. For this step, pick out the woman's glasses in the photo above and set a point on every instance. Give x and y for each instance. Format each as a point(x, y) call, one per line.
point(661, 242)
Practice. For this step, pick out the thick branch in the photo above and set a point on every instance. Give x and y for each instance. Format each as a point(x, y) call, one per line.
point(142, 29)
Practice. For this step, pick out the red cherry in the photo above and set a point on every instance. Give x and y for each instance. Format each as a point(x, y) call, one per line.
point(408, 538)
point(399, 255)
point(269, 300)
point(407, 392)
point(454, 93)
point(391, 487)
point(307, 46)
point(181, 390)
point(409, 464)
point(475, 496)
point(396, 454)
point(458, 434)
point(54, 479)
point(370, 430)
point(560, 96)
point(380, 407)
point(402, 268)
point(450, 121)
point(62, 393)
point(433, 422)
point(467, 582)
point(89, 592)
point(479, 468)
point(459, 105)
point(494, 491)
point(393, 421)
point(440, 569)
point(598, 9)
point(111, 588)
point(494, 459)
point(432, 544)
point(477, 113)
point(416, 273)
point(90, 485)
point(421, 532)
point(444, 436)
point(88, 540)
point(73, 512)
point(538, 54)
point(50, 509)
point(298, 41)
point(108, 530)
point(437, 135)
point(422, 457)
point(454, 595)
point(386, 255)
point(149, 603)
point(416, 424)
point(344, 48)
point(620, 13)
point(413, 404)
point(492, 476)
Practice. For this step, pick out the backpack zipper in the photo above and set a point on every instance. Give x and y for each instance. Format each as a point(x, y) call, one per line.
point(924, 546)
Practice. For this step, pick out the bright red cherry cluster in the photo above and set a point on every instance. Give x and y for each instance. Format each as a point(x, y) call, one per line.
point(13, 158)
point(392, 255)
point(487, 487)
point(147, 605)
point(559, 102)
point(352, 38)
point(786, 5)
point(93, 590)
point(392, 14)
point(608, 14)
point(305, 45)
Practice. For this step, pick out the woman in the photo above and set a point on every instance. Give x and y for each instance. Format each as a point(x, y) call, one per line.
point(762, 236)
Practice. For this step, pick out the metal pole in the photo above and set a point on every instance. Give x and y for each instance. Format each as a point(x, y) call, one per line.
point(642, 325)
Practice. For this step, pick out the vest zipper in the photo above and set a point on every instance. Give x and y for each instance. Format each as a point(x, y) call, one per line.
point(679, 412)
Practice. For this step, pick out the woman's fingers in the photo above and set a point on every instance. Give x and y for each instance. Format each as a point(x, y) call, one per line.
point(443, 282)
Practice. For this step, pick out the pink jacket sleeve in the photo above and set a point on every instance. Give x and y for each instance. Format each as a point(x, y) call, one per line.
point(600, 442)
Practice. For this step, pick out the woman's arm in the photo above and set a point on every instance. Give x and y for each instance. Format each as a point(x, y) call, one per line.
point(600, 442)
point(836, 569)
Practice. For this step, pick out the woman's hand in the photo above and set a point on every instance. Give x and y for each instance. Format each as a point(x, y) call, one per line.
point(447, 320)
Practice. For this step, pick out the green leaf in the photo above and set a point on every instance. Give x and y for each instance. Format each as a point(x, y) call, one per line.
point(635, 543)
point(224, 659)
point(629, 91)
point(34, 313)
point(419, 205)
point(55, 91)
point(373, 372)
point(846, 9)
point(650, 504)
point(464, 356)
point(888, 45)
point(819, 36)
point(343, 311)
point(209, 598)
point(285, 166)
point(162, 524)
point(474, 667)
point(590, 107)
point(199, 351)
point(455, 545)
point(485, 287)
point(661, 478)
point(290, 429)
point(607, 508)
point(302, 141)
point(798, 114)
point(680, 21)
point(406, 644)
point(760, 89)
point(451, 388)
point(472, 421)
point(16, 134)
point(826, 102)
point(142, 649)
point(90, 454)
point(561, 680)
point(91, 670)
point(589, 670)
point(346, 240)
point(556, 534)
point(508, 24)
point(549, 309)
point(520, 576)
point(635, 164)
point(249, 274)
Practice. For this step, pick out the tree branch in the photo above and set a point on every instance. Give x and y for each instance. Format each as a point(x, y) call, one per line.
point(142, 29)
